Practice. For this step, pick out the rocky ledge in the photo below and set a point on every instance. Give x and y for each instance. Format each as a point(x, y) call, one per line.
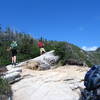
point(63, 83)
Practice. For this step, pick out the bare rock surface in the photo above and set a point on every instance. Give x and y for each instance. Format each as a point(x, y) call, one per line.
point(62, 83)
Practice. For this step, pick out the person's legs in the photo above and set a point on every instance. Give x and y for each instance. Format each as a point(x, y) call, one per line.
point(42, 51)
point(14, 53)
point(15, 60)
point(12, 60)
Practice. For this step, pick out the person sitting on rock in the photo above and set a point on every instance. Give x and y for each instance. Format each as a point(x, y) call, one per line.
point(41, 46)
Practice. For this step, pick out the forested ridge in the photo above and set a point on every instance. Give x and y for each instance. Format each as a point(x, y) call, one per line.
point(28, 48)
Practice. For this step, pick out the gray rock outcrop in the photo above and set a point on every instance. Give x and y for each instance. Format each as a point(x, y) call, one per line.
point(12, 74)
point(43, 62)
point(46, 60)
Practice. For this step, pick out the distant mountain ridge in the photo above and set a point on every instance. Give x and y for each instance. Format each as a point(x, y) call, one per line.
point(98, 49)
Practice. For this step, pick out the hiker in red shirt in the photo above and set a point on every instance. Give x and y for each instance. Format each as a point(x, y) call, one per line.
point(41, 46)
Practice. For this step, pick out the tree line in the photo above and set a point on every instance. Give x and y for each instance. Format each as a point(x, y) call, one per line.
point(28, 48)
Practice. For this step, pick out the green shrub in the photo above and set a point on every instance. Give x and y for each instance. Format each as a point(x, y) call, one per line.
point(5, 88)
point(89, 63)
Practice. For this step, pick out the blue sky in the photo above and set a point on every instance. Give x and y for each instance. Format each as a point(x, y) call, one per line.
point(75, 21)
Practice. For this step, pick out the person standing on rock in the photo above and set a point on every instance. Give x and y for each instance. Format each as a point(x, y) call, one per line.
point(13, 48)
point(41, 46)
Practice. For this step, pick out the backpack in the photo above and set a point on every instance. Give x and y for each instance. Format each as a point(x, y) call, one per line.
point(14, 45)
point(92, 84)
point(40, 44)
point(92, 78)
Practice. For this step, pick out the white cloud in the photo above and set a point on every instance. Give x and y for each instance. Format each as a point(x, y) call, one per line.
point(93, 48)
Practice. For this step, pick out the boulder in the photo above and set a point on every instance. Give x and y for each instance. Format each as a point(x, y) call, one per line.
point(14, 70)
point(12, 74)
point(12, 77)
point(74, 62)
point(31, 65)
point(44, 67)
point(46, 60)
point(43, 62)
